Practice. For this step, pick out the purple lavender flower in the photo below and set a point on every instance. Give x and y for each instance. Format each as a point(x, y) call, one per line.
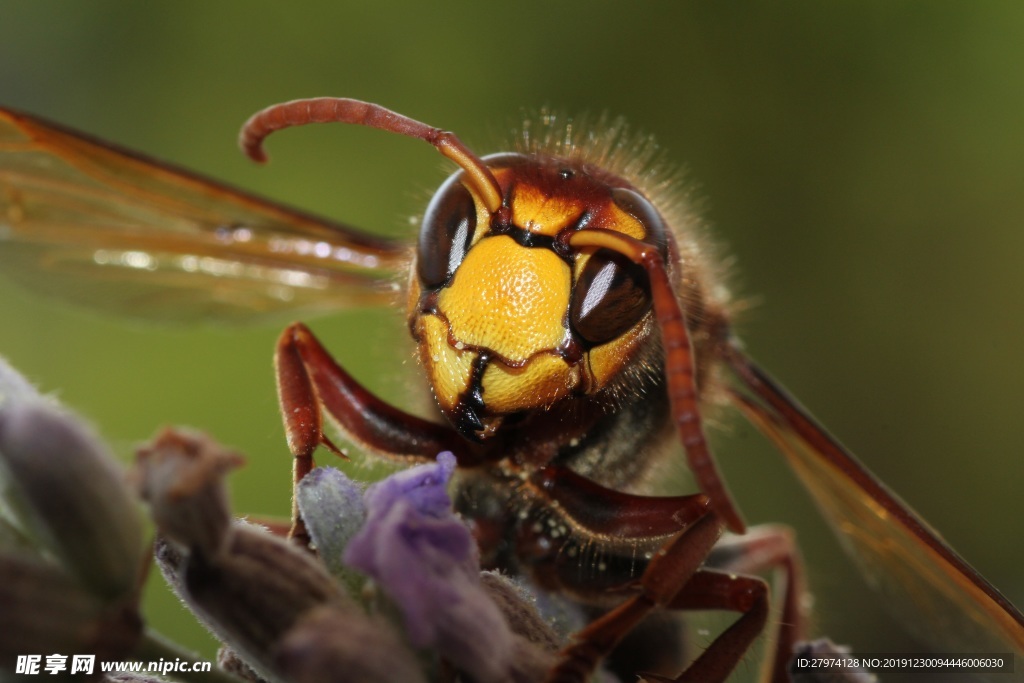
point(424, 557)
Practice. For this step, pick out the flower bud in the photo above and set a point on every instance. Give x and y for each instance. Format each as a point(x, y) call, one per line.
point(47, 610)
point(130, 677)
point(182, 477)
point(517, 605)
point(229, 662)
point(332, 508)
point(251, 592)
point(329, 645)
point(69, 494)
point(14, 388)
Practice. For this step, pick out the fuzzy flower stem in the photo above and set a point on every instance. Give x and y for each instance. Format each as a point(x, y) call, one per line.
point(154, 646)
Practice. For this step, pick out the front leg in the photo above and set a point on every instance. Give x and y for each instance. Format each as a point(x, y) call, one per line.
point(642, 553)
point(772, 548)
point(674, 567)
point(310, 381)
point(607, 548)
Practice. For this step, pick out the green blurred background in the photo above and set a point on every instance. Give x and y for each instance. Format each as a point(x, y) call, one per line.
point(862, 162)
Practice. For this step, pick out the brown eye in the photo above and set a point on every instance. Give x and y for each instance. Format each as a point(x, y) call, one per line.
point(611, 295)
point(447, 231)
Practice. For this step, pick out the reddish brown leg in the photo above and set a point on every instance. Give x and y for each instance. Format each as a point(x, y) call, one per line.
point(309, 381)
point(669, 571)
point(710, 589)
point(764, 548)
point(689, 571)
point(679, 365)
point(768, 547)
point(605, 511)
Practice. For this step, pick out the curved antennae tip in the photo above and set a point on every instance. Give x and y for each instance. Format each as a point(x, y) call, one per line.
point(252, 149)
point(344, 110)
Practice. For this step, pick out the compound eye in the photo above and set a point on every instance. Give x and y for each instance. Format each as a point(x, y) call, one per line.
point(446, 234)
point(639, 208)
point(612, 294)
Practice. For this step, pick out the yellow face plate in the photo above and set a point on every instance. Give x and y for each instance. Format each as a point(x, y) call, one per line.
point(497, 333)
point(508, 299)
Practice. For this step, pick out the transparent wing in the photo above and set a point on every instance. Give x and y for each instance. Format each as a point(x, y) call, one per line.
point(938, 596)
point(88, 222)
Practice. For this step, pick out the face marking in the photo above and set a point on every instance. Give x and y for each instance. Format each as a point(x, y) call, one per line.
point(508, 298)
point(543, 380)
point(537, 212)
point(511, 318)
point(450, 369)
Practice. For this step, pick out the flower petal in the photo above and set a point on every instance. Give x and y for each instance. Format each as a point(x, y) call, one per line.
point(424, 557)
point(424, 487)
